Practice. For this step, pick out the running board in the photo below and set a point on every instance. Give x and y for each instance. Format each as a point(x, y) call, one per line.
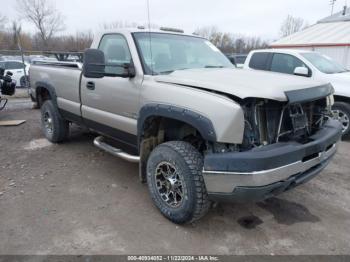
point(98, 142)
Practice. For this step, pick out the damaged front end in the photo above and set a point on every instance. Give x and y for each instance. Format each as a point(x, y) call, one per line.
point(285, 144)
point(268, 121)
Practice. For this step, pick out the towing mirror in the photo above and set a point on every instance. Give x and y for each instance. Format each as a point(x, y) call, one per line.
point(301, 71)
point(94, 63)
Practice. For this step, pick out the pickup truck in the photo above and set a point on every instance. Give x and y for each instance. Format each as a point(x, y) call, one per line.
point(312, 65)
point(200, 129)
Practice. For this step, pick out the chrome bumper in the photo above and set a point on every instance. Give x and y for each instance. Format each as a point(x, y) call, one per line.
point(226, 182)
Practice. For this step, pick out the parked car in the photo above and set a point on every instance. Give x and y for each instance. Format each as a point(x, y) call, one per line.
point(200, 129)
point(312, 65)
point(16, 68)
point(34, 58)
point(237, 59)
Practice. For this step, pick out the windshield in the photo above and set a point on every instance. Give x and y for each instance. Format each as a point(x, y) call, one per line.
point(323, 63)
point(170, 52)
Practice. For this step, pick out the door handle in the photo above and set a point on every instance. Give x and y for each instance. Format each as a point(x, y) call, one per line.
point(90, 85)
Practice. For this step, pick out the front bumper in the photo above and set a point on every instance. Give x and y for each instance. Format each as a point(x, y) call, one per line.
point(263, 172)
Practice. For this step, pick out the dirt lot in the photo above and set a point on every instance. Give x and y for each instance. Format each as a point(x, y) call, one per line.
point(74, 199)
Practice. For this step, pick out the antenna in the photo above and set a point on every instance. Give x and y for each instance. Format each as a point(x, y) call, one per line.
point(149, 34)
point(332, 3)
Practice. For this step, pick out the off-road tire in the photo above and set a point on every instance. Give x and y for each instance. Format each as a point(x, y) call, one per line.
point(188, 163)
point(343, 108)
point(59, 130)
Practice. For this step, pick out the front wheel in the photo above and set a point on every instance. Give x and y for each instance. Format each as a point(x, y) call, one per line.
point(175, 182)
point(343, 112)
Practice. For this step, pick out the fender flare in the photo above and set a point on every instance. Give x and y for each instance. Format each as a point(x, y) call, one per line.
point(49, 88)
point(201, 123)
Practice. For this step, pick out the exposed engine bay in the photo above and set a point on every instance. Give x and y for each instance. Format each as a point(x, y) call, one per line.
point(268, 121)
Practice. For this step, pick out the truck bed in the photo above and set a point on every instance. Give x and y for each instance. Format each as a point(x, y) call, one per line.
point(64, 75)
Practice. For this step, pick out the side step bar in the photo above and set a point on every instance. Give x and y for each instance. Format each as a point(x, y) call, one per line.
point(98, 142)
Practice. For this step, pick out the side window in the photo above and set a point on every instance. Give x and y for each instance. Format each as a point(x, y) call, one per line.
point(13, 65)
point(283, 63)
point(116, 50)
point(259, 61)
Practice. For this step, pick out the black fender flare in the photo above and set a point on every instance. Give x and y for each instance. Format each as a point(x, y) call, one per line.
point(43, 85)
point(201, 123)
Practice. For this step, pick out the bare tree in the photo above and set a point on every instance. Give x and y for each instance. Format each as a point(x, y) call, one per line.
point(292, 25)
point(43, 14)
point(3, 21)
point(73, 43)
point(230, 43)
point(15, 32)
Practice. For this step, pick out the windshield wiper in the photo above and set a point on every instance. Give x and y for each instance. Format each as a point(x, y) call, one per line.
point(171, 71)
point(213, 66)
point(166, 72)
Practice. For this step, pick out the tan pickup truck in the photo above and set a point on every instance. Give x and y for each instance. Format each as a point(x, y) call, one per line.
point(200, 129)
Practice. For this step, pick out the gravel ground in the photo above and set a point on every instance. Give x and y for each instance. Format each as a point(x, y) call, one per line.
point(74, 199)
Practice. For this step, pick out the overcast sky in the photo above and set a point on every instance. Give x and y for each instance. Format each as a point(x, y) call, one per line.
point(249, 17)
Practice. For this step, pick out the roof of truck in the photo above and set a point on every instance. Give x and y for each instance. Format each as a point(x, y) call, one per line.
point(146, 30)
point(282, 50)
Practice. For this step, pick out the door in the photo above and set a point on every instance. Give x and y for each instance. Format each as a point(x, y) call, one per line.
point(110, 104)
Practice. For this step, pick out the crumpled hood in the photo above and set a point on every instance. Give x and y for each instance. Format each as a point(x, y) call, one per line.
point(240, 83)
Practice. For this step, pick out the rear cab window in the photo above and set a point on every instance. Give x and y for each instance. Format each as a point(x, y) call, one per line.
point(260, 61)
point(14, 65)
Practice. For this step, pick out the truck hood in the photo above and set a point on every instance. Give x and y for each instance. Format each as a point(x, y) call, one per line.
point(240, 83)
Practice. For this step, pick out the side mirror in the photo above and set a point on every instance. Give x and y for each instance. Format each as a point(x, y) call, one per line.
point(94, 63)
point(301, 71)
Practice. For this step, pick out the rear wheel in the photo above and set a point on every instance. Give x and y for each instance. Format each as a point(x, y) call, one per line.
point(343, 112)
point(55, 128)
point(175, 182)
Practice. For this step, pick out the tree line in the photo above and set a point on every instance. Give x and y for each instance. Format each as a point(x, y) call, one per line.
point(49, 24)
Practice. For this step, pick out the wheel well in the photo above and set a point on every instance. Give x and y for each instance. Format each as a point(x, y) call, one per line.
point(342, 99)
point(157, 130)
point(42, 94)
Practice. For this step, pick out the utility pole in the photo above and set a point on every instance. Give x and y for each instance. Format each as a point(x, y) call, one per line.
point(332, 3)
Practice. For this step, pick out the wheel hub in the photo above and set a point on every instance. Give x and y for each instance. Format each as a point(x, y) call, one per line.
point(48, 122)
point(169, 184)
point(343, 118)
